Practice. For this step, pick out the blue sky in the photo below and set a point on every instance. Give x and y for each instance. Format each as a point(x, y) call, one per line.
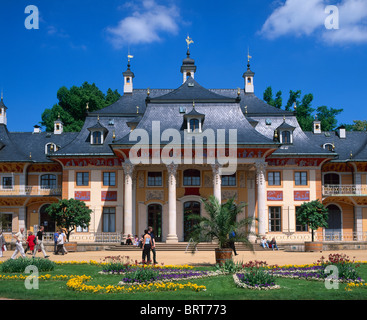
point(88, 40)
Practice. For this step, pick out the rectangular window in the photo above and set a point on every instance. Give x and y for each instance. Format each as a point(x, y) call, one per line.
point(274, 178)
point(300, 178)
point(6, 221)
point(109, 179)
point(109, 220)
point(154, 179)
point(82, 179)
point(7, 182)
point(275, 215)
point(229, 181)
point(299, 227)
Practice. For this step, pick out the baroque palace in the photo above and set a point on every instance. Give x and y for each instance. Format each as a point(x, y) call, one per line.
point(278, 166)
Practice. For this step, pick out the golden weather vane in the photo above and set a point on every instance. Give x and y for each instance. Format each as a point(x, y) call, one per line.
point(189, 41)
point(248, 55)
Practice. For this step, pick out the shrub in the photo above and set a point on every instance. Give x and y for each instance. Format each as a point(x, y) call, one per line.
point(257, 278)
point(141, 275)
point(19, 265)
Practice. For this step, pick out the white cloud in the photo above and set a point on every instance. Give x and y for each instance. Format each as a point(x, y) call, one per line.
point(307, 18)
point(145, 24)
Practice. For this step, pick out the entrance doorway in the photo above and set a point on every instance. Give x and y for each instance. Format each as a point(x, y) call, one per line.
point(46, 220)
point(155, 220)
point(334, 229)
point(190, 207)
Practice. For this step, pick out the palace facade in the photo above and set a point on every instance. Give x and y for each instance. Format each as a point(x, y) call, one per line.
point(278, 166)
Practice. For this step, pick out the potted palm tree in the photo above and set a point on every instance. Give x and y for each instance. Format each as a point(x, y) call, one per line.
point(219, 224)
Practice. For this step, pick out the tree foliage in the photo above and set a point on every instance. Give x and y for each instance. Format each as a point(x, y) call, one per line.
point(304, 112)
point(72, 106)
point(220, 222)
point(313, 214)
point(70, 214)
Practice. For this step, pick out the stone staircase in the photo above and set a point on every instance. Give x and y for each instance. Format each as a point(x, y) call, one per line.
point(183, 246)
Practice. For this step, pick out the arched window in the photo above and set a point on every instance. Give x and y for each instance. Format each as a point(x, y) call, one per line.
point(97, 137)
point(328, 146)
point(48, 181)
point(50, 147)
point(249, 80)
point(191, 177)
point(331, 178)
point(286, 137)
point(194, 125)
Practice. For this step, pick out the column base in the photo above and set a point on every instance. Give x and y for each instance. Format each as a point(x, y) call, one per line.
point(172, 239)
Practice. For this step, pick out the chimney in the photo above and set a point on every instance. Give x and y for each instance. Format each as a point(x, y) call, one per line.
point(37, 129)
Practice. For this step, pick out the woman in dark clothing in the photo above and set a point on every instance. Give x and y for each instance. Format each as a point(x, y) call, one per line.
point(147, 245)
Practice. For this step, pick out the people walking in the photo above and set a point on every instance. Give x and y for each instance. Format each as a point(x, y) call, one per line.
point(30, 242)
point(56, 235)
point(147, 246)
point(2, 244)
point(152, 235)
point(232, 236)
point(19, 239)
point(63, 233)
point(60, 244)
point(39, 244)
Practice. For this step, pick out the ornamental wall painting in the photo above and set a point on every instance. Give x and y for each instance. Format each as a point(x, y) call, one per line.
point(275, 196)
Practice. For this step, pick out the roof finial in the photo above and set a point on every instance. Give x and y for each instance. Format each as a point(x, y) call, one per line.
point(129, 57)
point(248, 57)
point(188, 41)
point(137, 109)
point(2, 95)
point(87, 107)
point(193, 104)
point(246, 110)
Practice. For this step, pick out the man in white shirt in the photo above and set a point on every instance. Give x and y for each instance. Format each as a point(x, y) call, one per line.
point(60, 244)
point(19, 238)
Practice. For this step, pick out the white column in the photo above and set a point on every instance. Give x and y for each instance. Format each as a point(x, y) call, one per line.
point(21, 218)
point(261, 196)
point(358, 223)
point(128, 201)
point(217, 181)
point(172, 224)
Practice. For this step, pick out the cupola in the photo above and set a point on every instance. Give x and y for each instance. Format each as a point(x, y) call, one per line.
point(249, 78)
point(188, 67)
point(3, 109)
point(128, 78)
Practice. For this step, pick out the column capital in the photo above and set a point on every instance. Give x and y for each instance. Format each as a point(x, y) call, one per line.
point(172, 168)
point(128, 168)
point(260, 166)
point(217, 168)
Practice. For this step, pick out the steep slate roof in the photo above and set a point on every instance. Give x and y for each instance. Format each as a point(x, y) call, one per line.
point(81, 145)
point(355, 142)
point(19, 145)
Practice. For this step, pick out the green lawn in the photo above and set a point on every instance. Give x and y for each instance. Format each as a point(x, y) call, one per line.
point(218, 288)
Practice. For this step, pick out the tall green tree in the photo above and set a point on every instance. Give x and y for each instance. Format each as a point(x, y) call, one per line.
point(72, 106)
point(327, 116)
point(268, 98)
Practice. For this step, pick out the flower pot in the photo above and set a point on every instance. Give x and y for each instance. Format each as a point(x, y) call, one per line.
point(71, 246)
point(313, 246)
point(223, 255)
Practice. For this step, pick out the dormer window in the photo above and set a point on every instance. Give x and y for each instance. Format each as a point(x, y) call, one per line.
point(194, 126)
point(97, 137)
point(98, 133)
point(286, 137)
point(285, 133)
point(193, 121)
point(50, 148)
point(329, 146)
